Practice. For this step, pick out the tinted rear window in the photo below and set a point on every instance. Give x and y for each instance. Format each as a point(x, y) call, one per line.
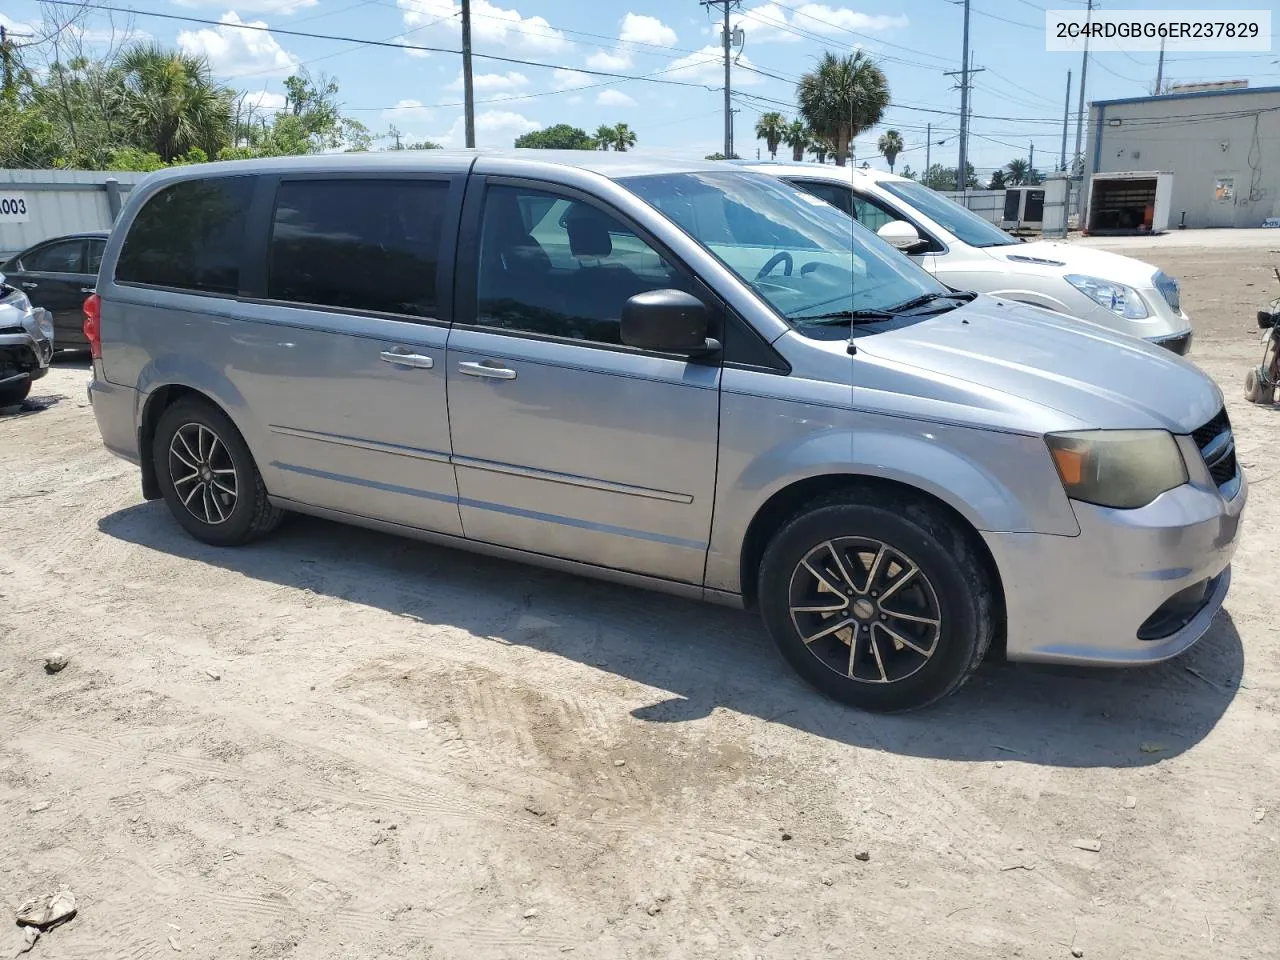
point(189, 236)
point(358, 244)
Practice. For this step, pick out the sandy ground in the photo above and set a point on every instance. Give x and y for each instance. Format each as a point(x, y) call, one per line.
point(340, 744)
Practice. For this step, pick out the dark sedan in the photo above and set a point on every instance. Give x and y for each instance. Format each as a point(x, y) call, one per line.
point(58, 274)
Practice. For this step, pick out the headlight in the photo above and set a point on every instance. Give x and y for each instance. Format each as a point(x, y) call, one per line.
point(1117, 468)
point(44, 323)
point(1121, 300)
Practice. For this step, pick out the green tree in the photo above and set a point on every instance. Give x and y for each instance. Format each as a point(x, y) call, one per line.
point(908, 172)
point(841, 97)
point(623, 137)
point(939, 177)
point(561, 136)
point(771, 128)
point(605, 136)
point(997, 181)
point(821, 148)
point(797, 137)
point(1018, 169)
point(890, 145)
point(171, 103)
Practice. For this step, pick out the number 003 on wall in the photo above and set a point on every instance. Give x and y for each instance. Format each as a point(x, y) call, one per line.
point(14, 208)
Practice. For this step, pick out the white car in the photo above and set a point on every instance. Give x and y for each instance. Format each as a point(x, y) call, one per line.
point(966, 252)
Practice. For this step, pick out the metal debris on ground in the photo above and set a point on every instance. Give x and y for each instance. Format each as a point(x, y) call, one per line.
point(1093, 846)
point(45, 913)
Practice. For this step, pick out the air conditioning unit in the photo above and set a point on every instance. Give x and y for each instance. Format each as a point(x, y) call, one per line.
point(1023, 208)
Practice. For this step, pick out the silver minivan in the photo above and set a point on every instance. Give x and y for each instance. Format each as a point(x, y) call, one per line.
point(682, 376)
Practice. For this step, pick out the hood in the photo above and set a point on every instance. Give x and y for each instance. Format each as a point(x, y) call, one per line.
point(1101, 379)
point(1073, 258)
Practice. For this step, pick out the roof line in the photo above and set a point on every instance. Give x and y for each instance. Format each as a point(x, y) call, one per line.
point(1189, 95)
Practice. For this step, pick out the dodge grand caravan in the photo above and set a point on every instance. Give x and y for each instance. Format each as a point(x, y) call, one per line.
point(676, 375)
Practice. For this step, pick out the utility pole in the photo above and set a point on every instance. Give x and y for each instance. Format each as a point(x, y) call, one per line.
point(1160, 70)
point(468, 91)
point(1066, 122)
point(1084, 69)
point(727, 43)
point(1031, 161)
point(928, 147)
point(966, 69)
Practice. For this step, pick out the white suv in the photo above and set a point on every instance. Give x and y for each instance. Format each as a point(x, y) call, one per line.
point(966, 252)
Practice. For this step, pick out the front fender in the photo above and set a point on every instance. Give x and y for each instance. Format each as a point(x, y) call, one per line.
point(995, 481)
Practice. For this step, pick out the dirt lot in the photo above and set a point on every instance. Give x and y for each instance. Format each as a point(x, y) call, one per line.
point(341, 744)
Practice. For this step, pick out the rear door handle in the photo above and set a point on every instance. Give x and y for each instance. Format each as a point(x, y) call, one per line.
point(489, 369)
point(402, 357)
point(86, 289)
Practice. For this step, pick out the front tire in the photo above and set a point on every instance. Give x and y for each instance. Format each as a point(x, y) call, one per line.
point(879, 601)
point(14, 393)
point(208, 477)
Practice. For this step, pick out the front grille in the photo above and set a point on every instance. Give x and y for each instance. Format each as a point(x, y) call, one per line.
point(1170, 290)
point(1218, 448)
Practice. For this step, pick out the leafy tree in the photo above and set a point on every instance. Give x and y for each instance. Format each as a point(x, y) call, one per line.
point(908, 172)
point(623, 137)
point(890, 145)
point(944, 178)
point(771, 128)
point(841, 97)
point(605, 136)
point(821, 148)
point(171, 103)
point(997, 181)
point(1018, 169)
point(562, 136)
point(720, 156)
point(798, 138)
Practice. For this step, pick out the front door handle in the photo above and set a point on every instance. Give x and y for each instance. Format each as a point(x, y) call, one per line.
point(487, 368)
point(402, 357)
point(86, 289)
point(29, 285)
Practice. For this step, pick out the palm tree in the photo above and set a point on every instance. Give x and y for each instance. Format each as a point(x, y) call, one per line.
point(623, 137)
point(890, 144)
point(997, 181)
point(1018, 170)
point(172, 102)
point(770, 128)
point(604, 136)
point(842, 97)
point(821, 148)
point(797, 137)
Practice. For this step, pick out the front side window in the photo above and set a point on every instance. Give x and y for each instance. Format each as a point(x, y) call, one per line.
point(190, 236)
point(965, 225)
point(358, 244)
point(558, 266)
point(63, 257)
point(799, 253)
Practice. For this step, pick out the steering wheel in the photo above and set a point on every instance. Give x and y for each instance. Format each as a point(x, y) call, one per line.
point(777, 258)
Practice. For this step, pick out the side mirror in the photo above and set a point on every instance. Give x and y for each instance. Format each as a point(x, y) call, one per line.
point(667, 321)
point(901, 234)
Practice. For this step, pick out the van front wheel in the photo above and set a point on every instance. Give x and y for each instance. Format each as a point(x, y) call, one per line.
point(208, 477)
point(878, 601)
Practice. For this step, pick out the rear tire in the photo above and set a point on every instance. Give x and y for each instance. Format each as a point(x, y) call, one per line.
point(208, 477)
point(1253, 385)
point(879, 601)
point(14, 393)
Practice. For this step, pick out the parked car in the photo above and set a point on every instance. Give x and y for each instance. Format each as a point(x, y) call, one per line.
point(684, 376)
point(966, 252)
point(26, 344)
point(56, 275)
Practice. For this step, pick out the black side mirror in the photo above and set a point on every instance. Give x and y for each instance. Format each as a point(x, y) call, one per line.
point(667, 321)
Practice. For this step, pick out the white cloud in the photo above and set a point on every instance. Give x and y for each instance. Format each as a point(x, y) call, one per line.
point(17, 28)
point(637, 28)
point(491, 26)
point(493, 82)
point(264, 102)
point(769, 22)
point(609, 60)
point(562, 79)
point(254, 6)
point(614, 98)
point(233, 52)
point(408, 113)
point(494, 128)
point(707, 66)
point(576, 99)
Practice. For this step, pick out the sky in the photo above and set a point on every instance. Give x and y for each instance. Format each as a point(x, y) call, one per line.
point(1017, 100)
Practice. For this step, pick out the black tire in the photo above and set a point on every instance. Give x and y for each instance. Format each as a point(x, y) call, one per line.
point(242, 513)
point(950, 578)
point(13, 393)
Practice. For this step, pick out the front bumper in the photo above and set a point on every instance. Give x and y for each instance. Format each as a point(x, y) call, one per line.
point(1179, 343)
point(1086, 599)
point(23, 356)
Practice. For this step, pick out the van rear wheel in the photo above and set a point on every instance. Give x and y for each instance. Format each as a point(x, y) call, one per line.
point(878, 601)
point(208, 477)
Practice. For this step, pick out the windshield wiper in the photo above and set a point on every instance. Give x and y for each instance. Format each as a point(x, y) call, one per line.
point(845, 316)
point(926, 298)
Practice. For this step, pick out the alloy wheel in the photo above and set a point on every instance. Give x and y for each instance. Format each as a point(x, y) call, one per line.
point(203, 474)
point(865, 609)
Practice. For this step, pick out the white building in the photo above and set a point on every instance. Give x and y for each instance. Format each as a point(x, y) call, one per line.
point(1222, 146)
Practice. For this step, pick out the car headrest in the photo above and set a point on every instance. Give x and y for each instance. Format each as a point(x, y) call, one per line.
point(589, 235)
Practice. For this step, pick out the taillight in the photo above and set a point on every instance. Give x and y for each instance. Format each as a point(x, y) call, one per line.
point(93, 325)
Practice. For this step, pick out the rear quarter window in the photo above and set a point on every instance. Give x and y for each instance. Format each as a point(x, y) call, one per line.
point(189, 236)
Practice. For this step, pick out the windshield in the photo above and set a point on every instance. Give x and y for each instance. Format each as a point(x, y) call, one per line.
point(802, 255)
point(963, 223)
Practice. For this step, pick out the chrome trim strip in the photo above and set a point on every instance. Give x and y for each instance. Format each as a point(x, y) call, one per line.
point(571, 480)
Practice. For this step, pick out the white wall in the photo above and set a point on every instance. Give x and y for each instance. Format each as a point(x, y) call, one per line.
point(57, 202)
